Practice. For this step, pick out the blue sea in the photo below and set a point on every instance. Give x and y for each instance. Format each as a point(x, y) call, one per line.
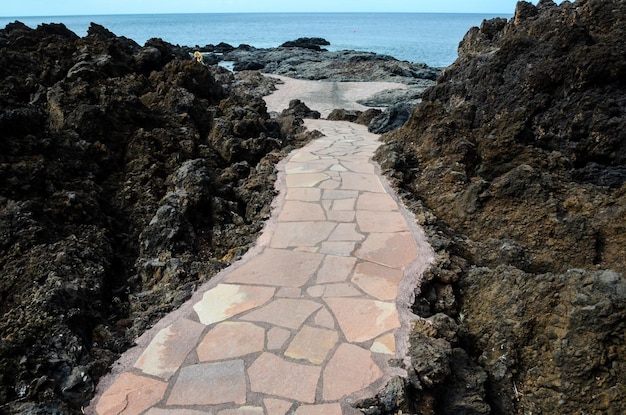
point(417, 37)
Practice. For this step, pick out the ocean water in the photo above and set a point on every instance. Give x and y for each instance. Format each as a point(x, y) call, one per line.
point(432, 38)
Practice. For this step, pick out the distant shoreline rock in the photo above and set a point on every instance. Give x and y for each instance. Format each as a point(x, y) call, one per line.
point(303, 58)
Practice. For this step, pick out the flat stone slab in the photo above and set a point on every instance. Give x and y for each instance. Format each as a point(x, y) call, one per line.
point(210, 384)
point(274, 376)
point(169, 348)
point(229, 340)
point(229, 300)
point(335, 269)
point(309, 320)
point(130, 395)
point(295, 234)
point(363, 319)
point(324, 409)
point(312, 344)
point(394, 250)
point(382, 222)
point(279, 268)
point(350, 370)
point(378, 281)
point(284, 312)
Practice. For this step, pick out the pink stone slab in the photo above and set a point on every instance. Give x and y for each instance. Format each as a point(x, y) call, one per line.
point(393, 250)
point(284, 312)
point(323, 318)
point(317, 166)
point(323, 409)
point(228, 300)
point(277, 337)
point(296, 211)
point(346, 232)
point(130, 395)
point(363, 182)
point(378, 281)
point(316, 291)
point(305, 180)
point(330, 184)
point(295, 270)
point(335, 269)
point(272, 375)
point(339, 248)
point(339, 194)
point(344, 204)
point(338, 167)
point(334, 290)
point(312, 344)
point(167, 351)
point(277, 406)
point(306, 248)
point(230, 340)
point(304, 194)
point(210, 384)
point(340, 216)
point(374, 221)
point(292, 234)
point(359, 167)
point(376, 201)
point(244, 410)
point(385, 344)
point(350, 370)
point(362, 319)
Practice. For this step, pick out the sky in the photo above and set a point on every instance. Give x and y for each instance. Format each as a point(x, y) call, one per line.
point(91, 7)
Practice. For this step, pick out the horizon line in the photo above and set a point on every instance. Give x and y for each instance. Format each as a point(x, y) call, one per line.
point(228, 12)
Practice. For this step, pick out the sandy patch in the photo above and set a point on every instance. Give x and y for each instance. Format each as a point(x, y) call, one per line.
point(325, 96)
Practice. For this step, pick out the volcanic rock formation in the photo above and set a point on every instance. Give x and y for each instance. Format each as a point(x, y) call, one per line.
point(515, 163)
point(128, 176)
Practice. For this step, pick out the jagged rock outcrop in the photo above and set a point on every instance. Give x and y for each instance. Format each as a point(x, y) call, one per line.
point(390, 119)
point(514, 163)
point(128, 175)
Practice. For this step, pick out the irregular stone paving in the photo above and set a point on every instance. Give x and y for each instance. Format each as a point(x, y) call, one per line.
point(307, 323)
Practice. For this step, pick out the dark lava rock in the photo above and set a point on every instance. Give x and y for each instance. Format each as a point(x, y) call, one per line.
point(223, 47)
point(129, 175)
point(313, 43)
point(388, 98)
point(355, 116)
point(344, 115)
point(390, 119)
point(514, 165)
point(299, 109)
point(387, 401)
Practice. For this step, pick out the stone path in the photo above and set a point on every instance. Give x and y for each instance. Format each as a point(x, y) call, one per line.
point(308, 321)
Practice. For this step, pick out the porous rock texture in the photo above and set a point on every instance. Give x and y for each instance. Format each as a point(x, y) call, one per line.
point(515, 164)
point(128, 176)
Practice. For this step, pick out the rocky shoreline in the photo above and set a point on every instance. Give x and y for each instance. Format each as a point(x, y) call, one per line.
point(305, 59)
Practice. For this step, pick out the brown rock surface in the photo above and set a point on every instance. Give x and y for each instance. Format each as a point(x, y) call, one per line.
point(515, 163)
